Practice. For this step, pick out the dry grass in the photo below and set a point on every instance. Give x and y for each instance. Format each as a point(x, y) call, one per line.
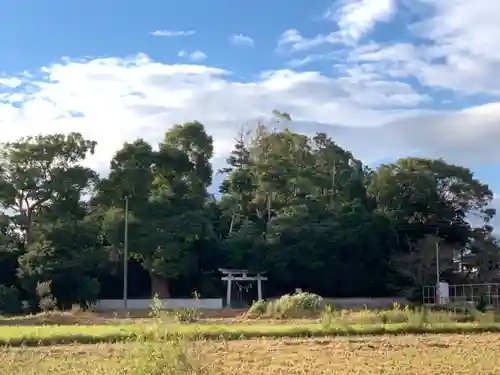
point(73, 317)
point(430, 354)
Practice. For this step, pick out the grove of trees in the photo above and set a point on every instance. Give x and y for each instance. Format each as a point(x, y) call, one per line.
point(301, 208)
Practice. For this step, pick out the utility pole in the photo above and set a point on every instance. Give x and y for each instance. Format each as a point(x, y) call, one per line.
point(437, 261)
point(125, 259)
point(438, 296)
point(334, 172)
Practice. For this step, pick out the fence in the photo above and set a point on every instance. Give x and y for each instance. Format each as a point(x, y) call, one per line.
point(463, 294)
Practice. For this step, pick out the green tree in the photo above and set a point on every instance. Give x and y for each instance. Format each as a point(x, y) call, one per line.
point(288, 197)
point(34, 171)
point(238, 187)
point(428, 198)
point(167, 191)
point(426, 191)
point(42, 184)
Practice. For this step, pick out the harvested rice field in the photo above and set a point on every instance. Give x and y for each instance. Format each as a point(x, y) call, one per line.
point(428, 354)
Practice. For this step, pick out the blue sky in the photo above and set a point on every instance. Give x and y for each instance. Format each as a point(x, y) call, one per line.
point(385, 78)
point(43, 32)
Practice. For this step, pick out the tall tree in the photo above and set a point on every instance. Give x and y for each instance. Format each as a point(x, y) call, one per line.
point(432, 195)
point(42, 184)
point(34, 171)
point(167, 191)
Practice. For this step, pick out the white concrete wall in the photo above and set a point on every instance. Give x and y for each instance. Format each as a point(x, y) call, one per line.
point(369, 303)
point(142, 304)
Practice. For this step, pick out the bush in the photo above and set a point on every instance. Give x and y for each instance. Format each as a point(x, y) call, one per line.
point(156, 306)
point(299, 305)
point(188, 315)
point(43, 289)
point(47, 304)
point(483, 304)
point(327, 317)
point(418, 318)
point(258, 308)
point(10, 302)
point(483, 317)
point(47, 301)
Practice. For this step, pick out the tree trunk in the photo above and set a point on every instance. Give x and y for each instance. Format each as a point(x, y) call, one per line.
point(159, 286)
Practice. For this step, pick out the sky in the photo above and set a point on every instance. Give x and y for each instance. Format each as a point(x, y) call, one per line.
point(384, 78)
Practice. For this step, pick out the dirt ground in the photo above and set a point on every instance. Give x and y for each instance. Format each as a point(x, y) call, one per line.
point(403, 355)
point(413, 355)
point(97, 318)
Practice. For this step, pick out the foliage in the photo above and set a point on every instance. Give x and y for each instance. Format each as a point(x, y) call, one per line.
point(188, 315)
point(47, 301)
point(156, 307)
point(298, 305)
point(482, 303)
point(10, 302)
point(327, 317)
point(258, 308)
point(300, 207)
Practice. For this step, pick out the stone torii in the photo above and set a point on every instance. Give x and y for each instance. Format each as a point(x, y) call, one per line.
point(231, 275)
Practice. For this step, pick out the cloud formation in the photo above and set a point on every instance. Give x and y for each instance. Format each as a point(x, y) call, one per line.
point(194, 56)
point(172, 33)
point(452, 46)
point(292, 41)
point(242, 40)
point(120, 99)
point(356, 18)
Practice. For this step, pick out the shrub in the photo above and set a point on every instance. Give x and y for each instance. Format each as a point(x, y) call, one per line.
point(327, 317)
point(483, 317)
point(393, 316)
point(10, 302)
point(43, 289)
point(47, 301)
point(482, 304)
point(418, 317)
point(258, 308)
point(156, 307)
point(47, 304)
point(188, 315)
point(298, 305)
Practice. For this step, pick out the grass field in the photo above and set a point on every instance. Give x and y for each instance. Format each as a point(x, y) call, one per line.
point(391, 355)
point(365, 342)
point(52, 335)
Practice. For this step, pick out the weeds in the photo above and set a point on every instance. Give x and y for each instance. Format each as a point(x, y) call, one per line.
point(258, 308)
point(416, 318)
point(289, 306)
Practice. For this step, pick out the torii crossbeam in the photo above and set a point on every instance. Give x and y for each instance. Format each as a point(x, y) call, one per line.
point(231, 275)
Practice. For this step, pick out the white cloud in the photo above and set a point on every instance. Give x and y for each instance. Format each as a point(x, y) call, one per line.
point(242, 40)
point(10, 82)
point(459, 49)
point(356, 18)
point(121, 99)
point(194, 56)
point(465, 37)
point(292, 40)
point(172, 33)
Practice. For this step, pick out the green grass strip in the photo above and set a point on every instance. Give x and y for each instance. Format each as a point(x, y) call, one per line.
point(62, 335)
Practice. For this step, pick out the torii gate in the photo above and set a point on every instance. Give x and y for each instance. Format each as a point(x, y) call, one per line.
point(241, 275)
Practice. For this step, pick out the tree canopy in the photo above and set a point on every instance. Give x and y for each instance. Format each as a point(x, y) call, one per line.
point(300, 207)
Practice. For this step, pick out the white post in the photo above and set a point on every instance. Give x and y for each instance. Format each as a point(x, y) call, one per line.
point(259, 287)
point(228, 296)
